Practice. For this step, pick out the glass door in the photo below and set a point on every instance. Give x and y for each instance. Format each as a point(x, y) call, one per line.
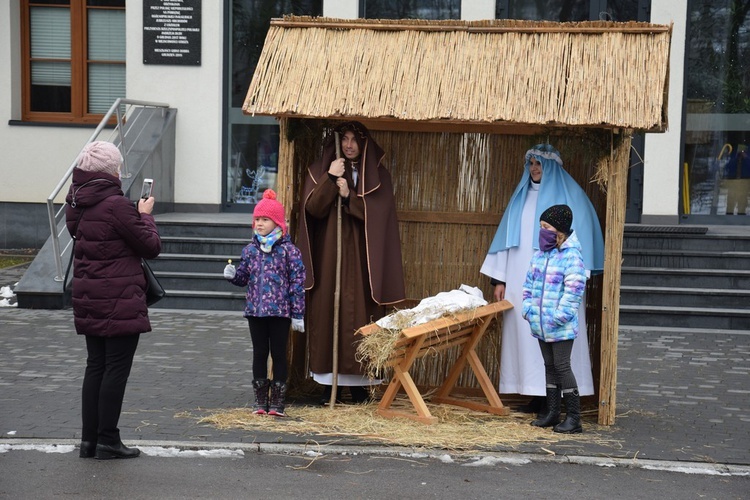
point(716, 162)
point(251, 144)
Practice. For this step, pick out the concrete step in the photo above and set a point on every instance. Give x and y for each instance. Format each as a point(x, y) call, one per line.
point(684, 297)
point(685, 317)
point(690, 259)
point(686, 278)
point(673, 330)
point(687, 242)
point(210, 282)
point(202, 246)
point(193, 263)
point(202, 300)
point(205, 225)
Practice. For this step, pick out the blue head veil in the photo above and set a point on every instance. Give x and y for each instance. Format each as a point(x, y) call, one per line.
point(557, 187)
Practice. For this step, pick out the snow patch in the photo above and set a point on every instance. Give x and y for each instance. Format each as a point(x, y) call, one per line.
point(7, 293)
point(492, 461)
point(687, 470)
point(44, 448)
point(159, 451)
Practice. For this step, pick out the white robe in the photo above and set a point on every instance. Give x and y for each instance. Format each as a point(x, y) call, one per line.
point(521, 363)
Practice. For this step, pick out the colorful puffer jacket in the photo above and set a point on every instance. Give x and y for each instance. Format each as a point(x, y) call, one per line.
point(553, 291)
point(275, 281)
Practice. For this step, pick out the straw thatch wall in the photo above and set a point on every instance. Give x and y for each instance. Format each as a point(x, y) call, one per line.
point(455, 105)
point(451, 190)
point(480, 72)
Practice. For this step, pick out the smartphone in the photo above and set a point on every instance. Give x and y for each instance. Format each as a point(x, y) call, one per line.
point(148, 185)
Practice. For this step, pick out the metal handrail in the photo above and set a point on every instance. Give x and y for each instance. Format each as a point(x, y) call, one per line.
point(120, 138)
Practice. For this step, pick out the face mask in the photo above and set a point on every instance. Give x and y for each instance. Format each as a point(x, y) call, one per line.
point(547, 239)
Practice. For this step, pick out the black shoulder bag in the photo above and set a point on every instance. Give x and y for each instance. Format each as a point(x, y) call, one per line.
point(154, 291)
point(68, 287)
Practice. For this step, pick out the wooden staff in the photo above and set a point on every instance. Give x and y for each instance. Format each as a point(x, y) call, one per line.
point(337, 291)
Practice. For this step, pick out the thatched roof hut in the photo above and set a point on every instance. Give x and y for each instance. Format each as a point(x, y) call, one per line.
point(596, 74)
point(455, 104)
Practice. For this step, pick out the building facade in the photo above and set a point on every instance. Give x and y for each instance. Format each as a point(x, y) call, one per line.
point(66, 61)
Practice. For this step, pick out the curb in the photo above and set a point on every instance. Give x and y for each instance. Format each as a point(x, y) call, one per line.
point(489, 458)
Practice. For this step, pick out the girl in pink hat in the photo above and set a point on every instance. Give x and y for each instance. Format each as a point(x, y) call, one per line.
point(271, 269)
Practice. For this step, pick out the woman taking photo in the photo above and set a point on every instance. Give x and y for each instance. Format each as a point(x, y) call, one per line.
point(109, 298)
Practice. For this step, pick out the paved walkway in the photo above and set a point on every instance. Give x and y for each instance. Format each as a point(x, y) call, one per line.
point(682, 395)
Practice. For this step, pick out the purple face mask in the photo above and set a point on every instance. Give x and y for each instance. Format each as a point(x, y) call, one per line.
point(547, 239)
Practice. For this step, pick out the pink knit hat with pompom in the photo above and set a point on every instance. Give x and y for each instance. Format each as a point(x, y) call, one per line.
point(100, 156)
point(269, 207)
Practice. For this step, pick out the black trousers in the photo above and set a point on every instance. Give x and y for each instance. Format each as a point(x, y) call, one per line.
point(107, 371)
point(557, 370)
point(269, 334)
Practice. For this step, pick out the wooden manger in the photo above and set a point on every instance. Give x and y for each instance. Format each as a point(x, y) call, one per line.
point(464, 330)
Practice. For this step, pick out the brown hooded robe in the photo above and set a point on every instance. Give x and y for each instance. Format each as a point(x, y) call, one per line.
point(371, 268)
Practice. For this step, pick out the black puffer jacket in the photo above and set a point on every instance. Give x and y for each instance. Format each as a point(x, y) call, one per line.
point(108, 283)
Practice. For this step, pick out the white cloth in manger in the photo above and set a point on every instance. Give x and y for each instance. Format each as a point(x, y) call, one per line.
point(464, 298)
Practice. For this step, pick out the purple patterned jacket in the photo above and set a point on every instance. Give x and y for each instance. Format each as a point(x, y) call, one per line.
point(275, 281)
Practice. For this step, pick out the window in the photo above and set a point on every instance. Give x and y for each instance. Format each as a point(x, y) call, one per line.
point(716, 168)
point(410, 9)
point(252, 156)
point(571, 10)
point(73, 54)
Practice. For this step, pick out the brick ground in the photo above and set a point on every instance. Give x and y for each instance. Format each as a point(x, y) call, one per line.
point(681, 395)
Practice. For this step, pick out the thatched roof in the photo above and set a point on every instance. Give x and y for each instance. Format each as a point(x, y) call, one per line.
point(481, 73)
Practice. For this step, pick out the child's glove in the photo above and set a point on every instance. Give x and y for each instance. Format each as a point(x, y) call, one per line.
point(230, 271)
point(298, 325)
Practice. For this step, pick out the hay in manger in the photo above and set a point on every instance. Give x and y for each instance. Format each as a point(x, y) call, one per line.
point(380, 344)
point(455, 114)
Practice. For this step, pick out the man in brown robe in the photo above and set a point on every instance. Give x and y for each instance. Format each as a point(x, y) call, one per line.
point(371, 268)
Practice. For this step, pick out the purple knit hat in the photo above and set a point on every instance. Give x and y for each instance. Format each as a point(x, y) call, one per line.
point(100, 156)
point(269, 207)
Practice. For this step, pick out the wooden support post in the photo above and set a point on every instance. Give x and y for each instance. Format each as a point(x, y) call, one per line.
point(285, 171)
point(617, 185)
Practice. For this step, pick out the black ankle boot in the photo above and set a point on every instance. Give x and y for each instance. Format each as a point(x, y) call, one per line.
point(106, 452)
point(552, 416)
point(88, 449)
point(572, 423)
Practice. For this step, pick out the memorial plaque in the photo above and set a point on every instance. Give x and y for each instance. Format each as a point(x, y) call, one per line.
point(172, 32)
